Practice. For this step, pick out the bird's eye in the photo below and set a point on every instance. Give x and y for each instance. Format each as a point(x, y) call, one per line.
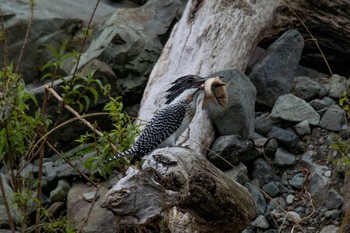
point(190, 80)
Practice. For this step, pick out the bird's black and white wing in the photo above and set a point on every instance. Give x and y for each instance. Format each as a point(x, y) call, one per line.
point(165, 123)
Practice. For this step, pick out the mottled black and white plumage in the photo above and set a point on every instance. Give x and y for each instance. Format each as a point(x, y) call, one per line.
point(170, 121)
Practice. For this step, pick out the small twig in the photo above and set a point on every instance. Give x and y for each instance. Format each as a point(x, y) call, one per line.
point(69, 108)
point(25, 41)
point(41, 158)
point(313, 38)
point(70, 164)
point(5, 47)
point(90, 210)
point(59, 126)
point(7, 208)
point(84, 40)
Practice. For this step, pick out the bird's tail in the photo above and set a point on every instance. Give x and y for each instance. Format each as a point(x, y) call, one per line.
point(126, 153)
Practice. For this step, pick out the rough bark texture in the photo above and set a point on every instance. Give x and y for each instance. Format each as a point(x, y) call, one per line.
point(178, 177)
point(211, 36)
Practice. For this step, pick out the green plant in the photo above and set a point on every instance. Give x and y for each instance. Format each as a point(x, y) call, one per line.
point(341, 145)
point(26, 127)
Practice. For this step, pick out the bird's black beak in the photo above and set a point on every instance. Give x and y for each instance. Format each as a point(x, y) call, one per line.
point(200, 82)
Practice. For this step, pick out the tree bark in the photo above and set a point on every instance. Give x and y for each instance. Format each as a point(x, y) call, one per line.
point(177, 177)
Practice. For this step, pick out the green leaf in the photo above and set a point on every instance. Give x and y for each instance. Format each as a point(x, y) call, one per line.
point(94, 92)
point(76, 87)
point(53, 51)
point(47, 65)
point(87, 102)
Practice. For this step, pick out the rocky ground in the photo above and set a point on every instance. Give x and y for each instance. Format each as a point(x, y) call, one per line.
point(292, 165)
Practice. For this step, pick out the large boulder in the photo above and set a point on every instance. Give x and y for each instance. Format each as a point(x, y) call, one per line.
point(273, 73)
point(130, 42)
point(78, 209)
point(238, 117)
point(53, 22)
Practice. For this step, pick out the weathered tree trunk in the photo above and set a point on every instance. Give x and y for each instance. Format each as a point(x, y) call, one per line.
point(178, 177)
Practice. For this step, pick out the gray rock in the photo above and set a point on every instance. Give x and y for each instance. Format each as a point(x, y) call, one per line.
point(318, 182)
point(314, 75)
point(337, 86)
point(60, 192)
point(332, 214)
point(48, 27)
point(302, 128)
point(328, 174)
point(276, 203)
point(264, 123)
point(333, 119)
point(271, 188)
point(262, 171)
point(272, 75)
point(90, 196)
point(286, 138)
point(290, 199)
point(238, 116)
point(319, 104)
point(300, 209)
point(258, 198)
point(283, 157)
point(297, 181)
point(261, 222)
point(270, 147)
point(231, 147)
point(129, 42)
point(291, 108)
point(333, 199)
point(239, 173)
point(293, 216)
point(66, 171)
point(306, 88)
point(100, 220)
point(29, 171)
point(330, 229)
point(15, 212)
point(49, 171)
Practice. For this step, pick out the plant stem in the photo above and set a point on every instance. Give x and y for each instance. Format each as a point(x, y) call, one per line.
point(84, 40)
point(5, 48)
point(41, 158)
point(25, 41)
point(7, 208)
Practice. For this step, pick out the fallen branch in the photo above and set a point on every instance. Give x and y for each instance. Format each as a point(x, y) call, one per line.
point(178, 177)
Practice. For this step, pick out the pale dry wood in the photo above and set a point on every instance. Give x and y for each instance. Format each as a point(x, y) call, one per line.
point(177, 177)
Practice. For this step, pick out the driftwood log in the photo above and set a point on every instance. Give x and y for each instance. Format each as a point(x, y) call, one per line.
point(177, 177)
